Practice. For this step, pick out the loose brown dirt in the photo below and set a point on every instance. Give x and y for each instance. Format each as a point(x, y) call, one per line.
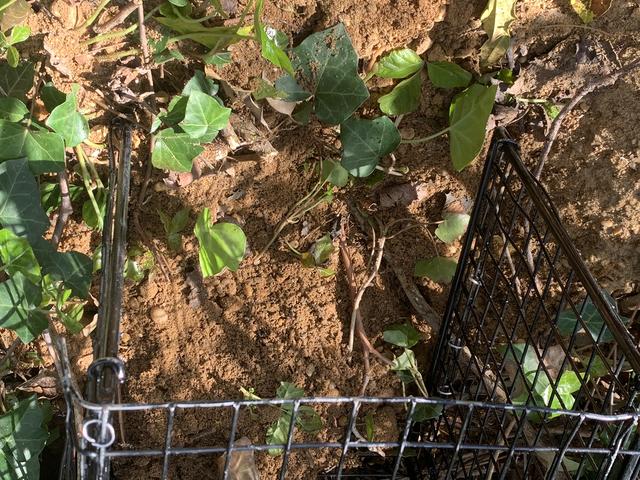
point(276, 321)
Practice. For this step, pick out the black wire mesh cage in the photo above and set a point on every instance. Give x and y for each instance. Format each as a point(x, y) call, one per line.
point(534, 374)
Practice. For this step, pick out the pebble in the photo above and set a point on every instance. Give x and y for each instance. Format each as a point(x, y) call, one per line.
point(158, 315)
point(311, 369)
point(149, 290)
point(248, 291)
point(607, 223)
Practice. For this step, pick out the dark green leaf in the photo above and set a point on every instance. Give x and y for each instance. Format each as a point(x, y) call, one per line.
point(17, 256)
point(16, 82)
point(18, 211)
point(425, 411)
point(267, 39)
point(401, 335)
point(19, 308)
point(568, 321)
point(200, 83)
point(175, 110)
point(404, 98)
point(50, 195)
point(438, 269)
point(44, 150)
point(92, 218)
point(468, 116)
point(448, 75)
point(364, 142)
point(13, 57)
point(71, 318)
point(528, 360)
point(51, 96)
point(179, 3)
point(23, 436)
point(278, 433)
point(370, 428)
point(133, 271)
point(204, 117)
point(222, 245)
point(217, 59)
point(327, 65)
point(174, 151)
point(73, 268)
point(12, 109)
point(66, 120)
point(308, 420)
point(334, 173)
point(293, 92)
point(398, 64)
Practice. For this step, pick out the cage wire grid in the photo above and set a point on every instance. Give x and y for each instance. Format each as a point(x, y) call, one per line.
point(518, 279)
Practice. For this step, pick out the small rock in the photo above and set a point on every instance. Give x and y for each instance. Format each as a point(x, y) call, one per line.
point(149, 290)
point(607, 223)
point(311, 369)
point(158, 315)
point(407, 133)
point(248, 291)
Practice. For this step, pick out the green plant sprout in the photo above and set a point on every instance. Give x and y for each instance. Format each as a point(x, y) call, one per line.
point(18, 34)
point(222, 245)
point(173, 226)
point(332, 174)
point(319, 253)
point(306, 418)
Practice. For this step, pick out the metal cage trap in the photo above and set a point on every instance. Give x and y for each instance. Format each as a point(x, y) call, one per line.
point(535, 374)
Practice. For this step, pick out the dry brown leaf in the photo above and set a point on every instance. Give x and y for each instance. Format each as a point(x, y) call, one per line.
point(45, 383)
point(403, 194)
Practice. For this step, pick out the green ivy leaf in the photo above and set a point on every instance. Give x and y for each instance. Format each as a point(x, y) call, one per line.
point(334, 173)
point(289, 391)
point(19, 33)
point(222, 245)
point(13, 56)
point(365, 142)
point(12, 109)
point(218, 59)
point(175, 111)
point(44, 150)
point(50, 195)
point(200, 83)
point(448, 75)
point(590, 315)
point(18, 210)
point(173, 226)
point(438, 269)
point(404, 98)
point(72, 268)
point(327, 66)
point(268, 42)
point(174, 151)
point(401, 335)
point(71, 317)
point(204, 117)
point(23, 436)
point(405, 362)
point(51, 96)
point(398, 64)
point(17, 256)
point(424, 412)
point(66, 120)
point(496, 20)
point(16, 82)
point(293, 92)
point(19, 308)
point(468, 116)
point(453, 227)
point(277, 434)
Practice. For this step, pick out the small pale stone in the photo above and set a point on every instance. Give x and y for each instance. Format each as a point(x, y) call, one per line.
point(158, 315)
point(607, 223)
point(311, 369)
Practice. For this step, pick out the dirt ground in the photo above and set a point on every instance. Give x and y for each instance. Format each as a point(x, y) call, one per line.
point(273, 320)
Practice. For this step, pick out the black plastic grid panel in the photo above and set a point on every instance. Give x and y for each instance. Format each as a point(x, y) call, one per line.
point(517, 276)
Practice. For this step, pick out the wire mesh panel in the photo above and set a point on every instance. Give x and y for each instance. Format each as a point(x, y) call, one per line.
point(535, 375)
point(526, 324)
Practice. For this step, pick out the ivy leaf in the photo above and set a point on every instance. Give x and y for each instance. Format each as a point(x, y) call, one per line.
point(17, 256)
point(173, 226)
point(18, 210)
point(204, 117)
point(277, 434)
point(591, 317)
point(23, 436)
point(334, 173)
point(453, 227)
point(289, 391)
point(222, 245)
point(404, 98)
point(468, 116)
point(293, 92)
point(398, 64)
point(16, 82)
point(425, 411)
point(72, 268)
point(401, 335)
point(268, 42)
point(496, 20)
point(200, 83)
point(12, 109)
point(66, 120)
point(44, 150)
point(51, 96)
point(175, 111)
point(327, 66)
point(438, 269)
point(448, 75)
point(19, 302)
point(406, 361)
point(174, 151)
point(365, 142)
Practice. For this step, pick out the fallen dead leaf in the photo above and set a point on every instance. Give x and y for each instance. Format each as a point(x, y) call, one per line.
point(45, 383)
point(403, 194)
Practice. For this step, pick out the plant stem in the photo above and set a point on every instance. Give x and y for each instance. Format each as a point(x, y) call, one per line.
point(82, 159)
point(117, 55)
point(94, 16)
point(426, 139)
point(96, 146)
point(110, 35)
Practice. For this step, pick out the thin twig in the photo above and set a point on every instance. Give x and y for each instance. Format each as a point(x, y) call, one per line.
point(557, 122)
point(144, 44)
point(118, 18)
point(65, 210)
